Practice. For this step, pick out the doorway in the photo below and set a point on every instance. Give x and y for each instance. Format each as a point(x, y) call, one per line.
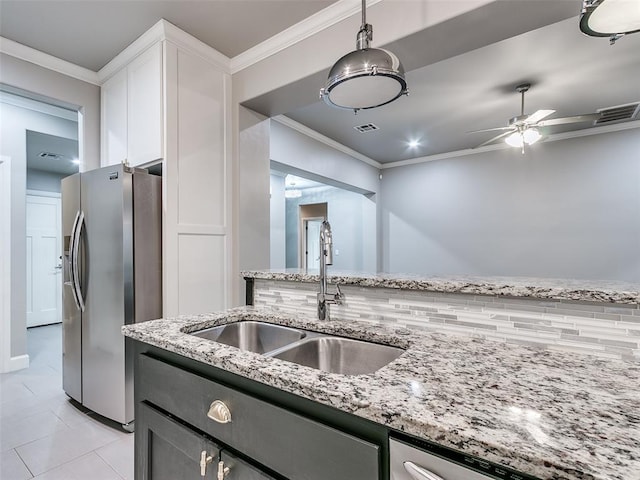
point(42, 141)
point(311, 217)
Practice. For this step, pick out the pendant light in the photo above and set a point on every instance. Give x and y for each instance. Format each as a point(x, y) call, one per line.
point(610, 18)
point(365, 78)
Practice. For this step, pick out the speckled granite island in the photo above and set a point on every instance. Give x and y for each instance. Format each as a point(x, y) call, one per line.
point(547, 414)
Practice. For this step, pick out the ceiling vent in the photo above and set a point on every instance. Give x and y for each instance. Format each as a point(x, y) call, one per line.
point(367, 127)
point(618, 114)
point(50, 156)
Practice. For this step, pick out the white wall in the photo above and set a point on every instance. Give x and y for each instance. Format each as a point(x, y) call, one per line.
point(566, 209)
point(298, 151)
point(277, 222)
point(14, 123)
point(302, 155)
point(43, 181)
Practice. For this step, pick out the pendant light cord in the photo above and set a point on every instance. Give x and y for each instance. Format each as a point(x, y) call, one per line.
point(365, 34)
point(364, 12)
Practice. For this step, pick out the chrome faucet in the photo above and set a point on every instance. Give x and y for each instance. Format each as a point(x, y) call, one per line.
point(326, 258)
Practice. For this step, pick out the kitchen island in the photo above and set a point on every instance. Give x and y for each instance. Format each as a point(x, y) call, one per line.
point(546, 414)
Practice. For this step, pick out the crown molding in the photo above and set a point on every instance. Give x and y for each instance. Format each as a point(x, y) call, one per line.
point(190, 43)
point(37, 106)
point(284, 120)
point(586, 132)
point(135, 48)
point(164, 30)
point(308, 27)
point(31, 55)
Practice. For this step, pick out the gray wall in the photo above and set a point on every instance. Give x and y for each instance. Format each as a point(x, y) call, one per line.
point(346, 211)
point(302, 152)
point(304, 156)
point(43, 181)
point(253, 206)
point(65, 90)
point(566, 209)
point(278, 223)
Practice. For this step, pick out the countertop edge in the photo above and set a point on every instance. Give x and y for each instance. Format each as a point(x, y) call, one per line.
point(520, 287)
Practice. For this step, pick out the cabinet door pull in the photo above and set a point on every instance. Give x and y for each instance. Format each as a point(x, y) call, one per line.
point(204, 461)
point(222, 470)
point(219, 412)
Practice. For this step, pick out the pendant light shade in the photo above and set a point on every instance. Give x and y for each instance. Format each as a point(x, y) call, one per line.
point(610, 18)
point(366, 77)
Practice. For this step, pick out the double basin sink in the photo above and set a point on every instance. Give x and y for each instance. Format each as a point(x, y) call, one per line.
point(323, 352)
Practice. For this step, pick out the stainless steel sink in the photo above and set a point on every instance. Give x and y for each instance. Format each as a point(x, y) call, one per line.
point(340, 355)
point(258, 337)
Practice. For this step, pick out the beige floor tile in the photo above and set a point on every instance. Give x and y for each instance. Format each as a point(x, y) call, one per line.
point(54, 437)
point(12, 392)
point(120, 456)
point(87, 467)
point(64, 446)
point(12, 467)
point(14, 433)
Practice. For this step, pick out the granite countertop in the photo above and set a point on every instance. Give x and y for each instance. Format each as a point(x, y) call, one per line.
point(552, 415)
point(541, 288)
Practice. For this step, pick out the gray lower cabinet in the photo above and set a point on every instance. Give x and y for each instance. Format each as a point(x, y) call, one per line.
point(173, 451)
point(174, 419)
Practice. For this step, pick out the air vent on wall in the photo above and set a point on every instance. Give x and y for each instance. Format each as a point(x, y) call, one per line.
point(367, 127)
point(50, 156)
point(618, 114)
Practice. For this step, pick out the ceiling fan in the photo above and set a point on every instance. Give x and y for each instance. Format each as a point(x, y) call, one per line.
point(523, 129)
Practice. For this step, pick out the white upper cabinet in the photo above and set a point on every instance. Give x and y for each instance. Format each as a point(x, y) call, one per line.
point(114, 119)
point(132, 111)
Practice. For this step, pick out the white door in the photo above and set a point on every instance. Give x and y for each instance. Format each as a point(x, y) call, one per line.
point(44, 266)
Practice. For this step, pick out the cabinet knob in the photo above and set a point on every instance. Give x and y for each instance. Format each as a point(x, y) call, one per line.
point(219, 412)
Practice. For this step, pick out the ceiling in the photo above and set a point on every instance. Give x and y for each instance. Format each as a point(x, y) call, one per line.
point(90, 33)
point(569, 72)
point(461, 73)
point(64, 149)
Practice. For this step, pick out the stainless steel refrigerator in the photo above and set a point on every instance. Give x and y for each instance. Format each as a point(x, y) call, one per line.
point(112, 255)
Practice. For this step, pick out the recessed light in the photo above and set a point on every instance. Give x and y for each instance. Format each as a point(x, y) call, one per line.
point(414, 143)
point(75, 161)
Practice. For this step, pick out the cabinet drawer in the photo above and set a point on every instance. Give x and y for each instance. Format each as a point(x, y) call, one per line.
point(290, 444)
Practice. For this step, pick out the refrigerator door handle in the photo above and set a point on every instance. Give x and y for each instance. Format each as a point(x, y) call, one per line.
point(72, 281)
point(74, 262)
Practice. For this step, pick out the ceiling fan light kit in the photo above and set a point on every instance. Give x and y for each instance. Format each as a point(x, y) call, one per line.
point(365, 78)
point(523, 129)
point(610, 18)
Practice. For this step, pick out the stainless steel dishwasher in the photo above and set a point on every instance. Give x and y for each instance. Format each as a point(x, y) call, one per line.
point(414, 459)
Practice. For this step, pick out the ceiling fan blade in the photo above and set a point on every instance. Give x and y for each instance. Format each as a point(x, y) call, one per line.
point(491, 129)
point(497, 137)
point(539, 115)
point(590, 117)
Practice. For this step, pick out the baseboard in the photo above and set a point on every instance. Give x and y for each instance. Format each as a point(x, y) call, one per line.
point(18, 363)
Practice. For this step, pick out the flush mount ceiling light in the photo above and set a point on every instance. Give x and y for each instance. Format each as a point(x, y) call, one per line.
point(365, 78)
point(610, 18)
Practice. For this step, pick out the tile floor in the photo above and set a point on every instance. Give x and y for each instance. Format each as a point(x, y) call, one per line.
point(46, 436)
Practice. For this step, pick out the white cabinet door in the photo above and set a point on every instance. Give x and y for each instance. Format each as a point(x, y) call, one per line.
point(144, 76)
point(114, 119)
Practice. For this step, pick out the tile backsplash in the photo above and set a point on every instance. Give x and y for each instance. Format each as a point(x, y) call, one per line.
point(603, 329)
